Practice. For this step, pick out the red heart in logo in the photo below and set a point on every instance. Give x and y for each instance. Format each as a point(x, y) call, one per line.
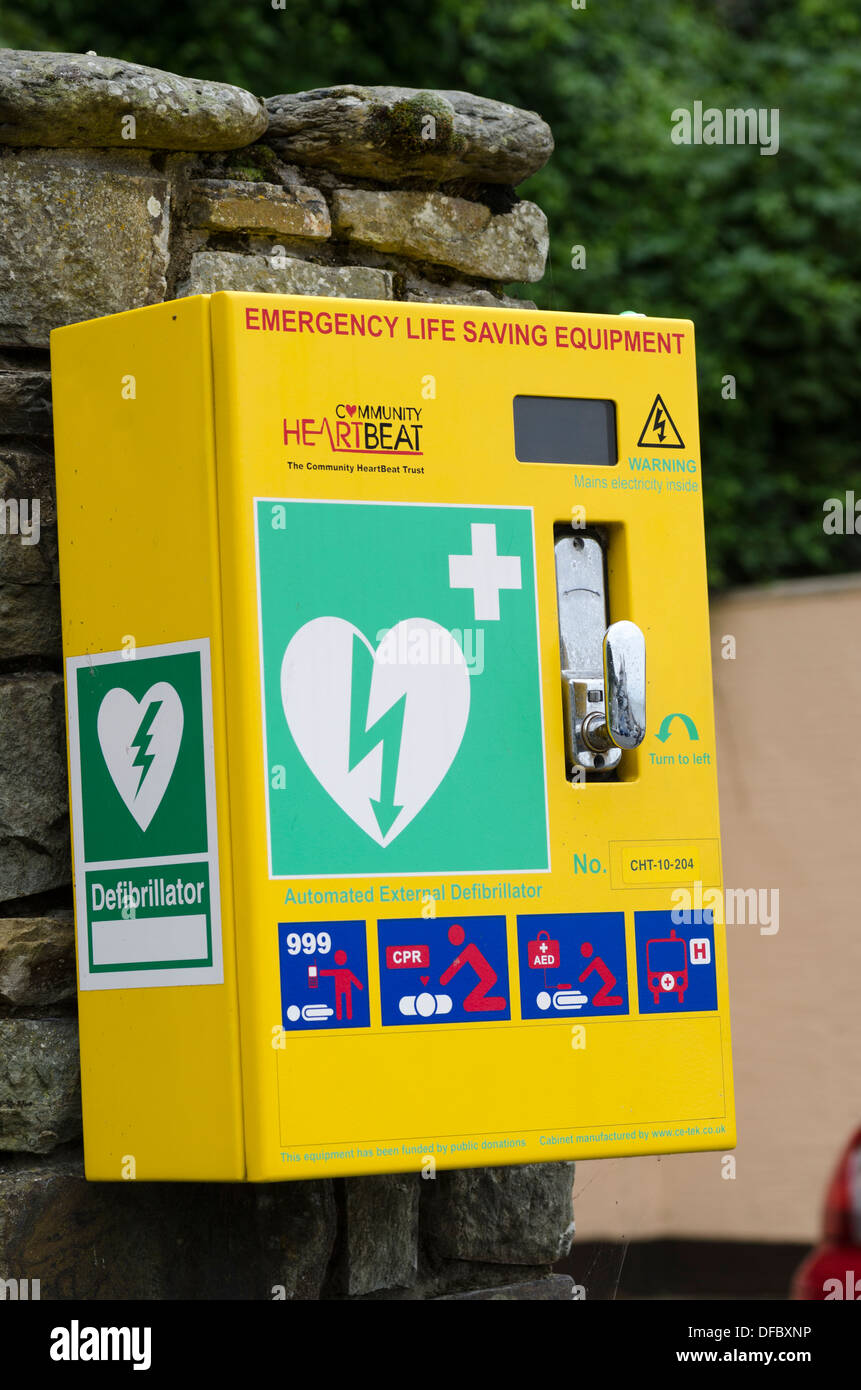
point(350, 409)
point(424, 979)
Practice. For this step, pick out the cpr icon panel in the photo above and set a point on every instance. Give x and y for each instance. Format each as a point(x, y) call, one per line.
point(456, 972)
point(391, 739)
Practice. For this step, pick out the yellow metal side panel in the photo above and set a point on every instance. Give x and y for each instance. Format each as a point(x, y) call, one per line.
point(382, 1097)
point(138, 559)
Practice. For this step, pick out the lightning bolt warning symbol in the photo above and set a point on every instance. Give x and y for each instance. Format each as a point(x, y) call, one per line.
point(387, 730)
point(143, 757)
point(659, 428)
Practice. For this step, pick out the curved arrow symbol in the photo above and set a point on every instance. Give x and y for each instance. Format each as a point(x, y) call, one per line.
point(664, 732)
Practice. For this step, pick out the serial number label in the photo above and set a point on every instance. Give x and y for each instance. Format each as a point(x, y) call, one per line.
point(645, 865)
point(658, 863)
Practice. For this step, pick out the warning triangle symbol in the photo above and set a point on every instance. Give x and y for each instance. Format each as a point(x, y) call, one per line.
point(659, 429)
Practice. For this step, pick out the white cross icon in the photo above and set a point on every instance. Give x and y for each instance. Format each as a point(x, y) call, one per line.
point(484, 571)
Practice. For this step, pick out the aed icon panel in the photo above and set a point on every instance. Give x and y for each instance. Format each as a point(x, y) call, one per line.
point(391, 739)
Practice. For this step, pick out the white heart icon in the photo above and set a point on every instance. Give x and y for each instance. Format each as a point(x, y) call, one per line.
point(378, 729)
point(140, 744)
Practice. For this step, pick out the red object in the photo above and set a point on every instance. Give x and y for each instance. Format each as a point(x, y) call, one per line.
point(543, 953)
point(605, 975)
point(344, 980)
point(667, 966)
point(407, 957)
point(479, 999)
point(843, 1198)
point(833, 1270)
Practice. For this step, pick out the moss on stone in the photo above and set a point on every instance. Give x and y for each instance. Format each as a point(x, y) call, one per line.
point(246, 173)
point(254, 164)
point(401, 127)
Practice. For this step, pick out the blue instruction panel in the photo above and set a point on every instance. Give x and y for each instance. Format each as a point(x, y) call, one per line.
point(675, 963)
point(324, 975)
point(572, 963)
point(443, 970)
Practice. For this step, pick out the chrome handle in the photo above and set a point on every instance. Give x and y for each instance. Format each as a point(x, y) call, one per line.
point(603, 667)
point(624, 724)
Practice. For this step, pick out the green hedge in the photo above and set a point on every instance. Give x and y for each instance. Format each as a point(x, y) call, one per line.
point(761, 252)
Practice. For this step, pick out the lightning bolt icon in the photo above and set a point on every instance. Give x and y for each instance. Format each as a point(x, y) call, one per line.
point(660, 425)
point(387, 730)
point(141, 742)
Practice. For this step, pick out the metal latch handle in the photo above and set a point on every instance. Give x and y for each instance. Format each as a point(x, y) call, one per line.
point(622, 724)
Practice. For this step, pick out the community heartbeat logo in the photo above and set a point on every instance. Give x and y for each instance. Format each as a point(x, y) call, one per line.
point(360, 428)
point(379, 729)
point(140, 744)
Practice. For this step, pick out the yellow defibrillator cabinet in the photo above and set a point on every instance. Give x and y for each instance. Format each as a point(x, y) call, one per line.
point(391, 741)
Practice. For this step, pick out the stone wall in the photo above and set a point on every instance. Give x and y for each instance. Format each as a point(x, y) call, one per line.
point(122, 186)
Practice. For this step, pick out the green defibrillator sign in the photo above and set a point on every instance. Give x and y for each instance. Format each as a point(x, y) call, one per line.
point(140, 727)
point(412, 638)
